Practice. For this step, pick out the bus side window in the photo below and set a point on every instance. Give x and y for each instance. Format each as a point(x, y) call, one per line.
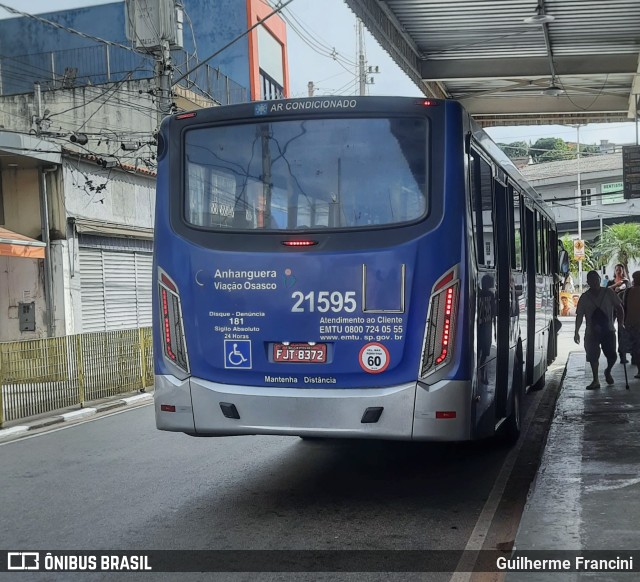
point(516, 220)
point(548, 247)
point(481, 176)
point(539, 242)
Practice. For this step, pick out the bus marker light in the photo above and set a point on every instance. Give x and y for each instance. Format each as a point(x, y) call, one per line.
point(186, 115)
point(168, 283)
point(442, 414)
point(443, 282)
point(299, 243)
point(429, 103)
point(167, 408)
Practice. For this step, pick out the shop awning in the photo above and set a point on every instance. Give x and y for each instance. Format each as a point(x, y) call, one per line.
point(13, 244)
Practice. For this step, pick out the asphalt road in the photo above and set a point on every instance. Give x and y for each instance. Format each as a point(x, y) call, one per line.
point(116, 483)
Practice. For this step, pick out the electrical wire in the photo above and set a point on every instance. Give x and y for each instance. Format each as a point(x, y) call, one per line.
point(233, 41)
point(65, 28)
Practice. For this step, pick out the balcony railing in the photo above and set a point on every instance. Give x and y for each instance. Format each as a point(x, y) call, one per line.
point(99, 64)
point(39, 376)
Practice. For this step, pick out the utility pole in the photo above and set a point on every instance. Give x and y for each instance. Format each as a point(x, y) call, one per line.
point(577, 126)
point(155, 27)
point(311, 88)
point(363, 81)
point(163, 71)
point(38, 99)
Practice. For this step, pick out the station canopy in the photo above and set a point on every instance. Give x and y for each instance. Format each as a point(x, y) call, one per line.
point(517, 62)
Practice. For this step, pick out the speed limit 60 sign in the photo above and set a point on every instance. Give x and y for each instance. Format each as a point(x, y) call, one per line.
point(374, 358)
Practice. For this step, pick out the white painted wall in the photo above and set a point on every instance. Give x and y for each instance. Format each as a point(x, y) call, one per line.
point(21, 280)
point(127, 198)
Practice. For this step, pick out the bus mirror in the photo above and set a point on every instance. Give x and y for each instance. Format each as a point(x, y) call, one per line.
point(563, 262)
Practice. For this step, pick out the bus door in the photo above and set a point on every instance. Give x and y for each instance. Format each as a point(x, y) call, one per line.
point(506, 319)
point(518, 274)
point(486, 349)
point(535, 292)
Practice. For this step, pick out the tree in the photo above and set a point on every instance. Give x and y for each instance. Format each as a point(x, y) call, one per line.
point(590, 260)
point(515, 149)
point(620, 242)
point(550, 149)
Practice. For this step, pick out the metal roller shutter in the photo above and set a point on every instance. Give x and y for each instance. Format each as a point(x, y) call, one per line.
point(120, 290)
point(92, 290)
point(115, 289)
point(144, 264)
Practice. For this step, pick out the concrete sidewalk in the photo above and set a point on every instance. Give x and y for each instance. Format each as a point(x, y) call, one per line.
point(586, 495)
point(19, 427)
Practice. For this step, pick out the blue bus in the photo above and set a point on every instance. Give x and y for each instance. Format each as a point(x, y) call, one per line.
point(347, 267)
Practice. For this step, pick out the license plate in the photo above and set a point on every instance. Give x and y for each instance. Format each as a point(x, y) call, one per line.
point(300, 353)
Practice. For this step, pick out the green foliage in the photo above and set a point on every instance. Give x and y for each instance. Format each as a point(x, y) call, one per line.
point(550, 149)
point(620, 243)
point(590, 150)
point(591, 259)
point(515, 149)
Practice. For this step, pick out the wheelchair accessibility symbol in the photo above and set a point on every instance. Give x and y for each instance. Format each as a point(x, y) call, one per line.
point(237, 354)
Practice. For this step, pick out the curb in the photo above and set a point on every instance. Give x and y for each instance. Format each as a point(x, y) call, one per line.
point(73, 415)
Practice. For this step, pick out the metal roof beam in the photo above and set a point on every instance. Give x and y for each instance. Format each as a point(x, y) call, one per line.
point(633, 112)
point(386, 29)
point(528, 67)
point(541, 104)
point(549, 119)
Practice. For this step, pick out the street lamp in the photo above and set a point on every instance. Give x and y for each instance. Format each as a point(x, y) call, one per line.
point(577, 126)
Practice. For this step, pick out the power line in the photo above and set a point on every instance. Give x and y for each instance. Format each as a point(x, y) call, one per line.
point(236, 39)
point(66, 29)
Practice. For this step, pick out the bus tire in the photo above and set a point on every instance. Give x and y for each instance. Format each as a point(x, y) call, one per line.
point(513, 424)
point(539, 385)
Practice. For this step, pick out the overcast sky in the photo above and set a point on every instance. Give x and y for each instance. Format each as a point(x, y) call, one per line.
point(328, 25)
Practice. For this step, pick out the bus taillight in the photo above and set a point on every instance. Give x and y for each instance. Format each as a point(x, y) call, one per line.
point(173, 340)
point(441, 324)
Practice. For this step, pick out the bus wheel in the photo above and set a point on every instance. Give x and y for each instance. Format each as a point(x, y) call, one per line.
point(539, 385)
point(513, 425)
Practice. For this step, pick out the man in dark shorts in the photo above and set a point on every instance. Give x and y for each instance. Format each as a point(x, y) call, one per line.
point(598, 305)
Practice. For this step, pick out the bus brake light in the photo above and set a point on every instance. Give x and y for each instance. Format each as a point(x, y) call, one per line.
point(440, 329)
point(173, 340)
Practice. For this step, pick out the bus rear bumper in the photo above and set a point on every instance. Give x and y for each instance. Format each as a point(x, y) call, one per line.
point(409, 411)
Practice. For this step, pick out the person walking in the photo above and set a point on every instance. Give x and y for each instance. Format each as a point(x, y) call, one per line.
point(631, 303)
point(620, 283)
point(598, 305)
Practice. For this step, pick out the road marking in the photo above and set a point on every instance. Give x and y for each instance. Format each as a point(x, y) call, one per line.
point(93, 418)
point(464, 569)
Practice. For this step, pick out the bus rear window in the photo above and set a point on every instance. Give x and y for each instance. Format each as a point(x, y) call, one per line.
point(312, 173)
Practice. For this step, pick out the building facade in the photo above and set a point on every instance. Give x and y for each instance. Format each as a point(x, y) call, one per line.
point(75, 244)
point(256, 62)
point(77, 154)
point(601, 202)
